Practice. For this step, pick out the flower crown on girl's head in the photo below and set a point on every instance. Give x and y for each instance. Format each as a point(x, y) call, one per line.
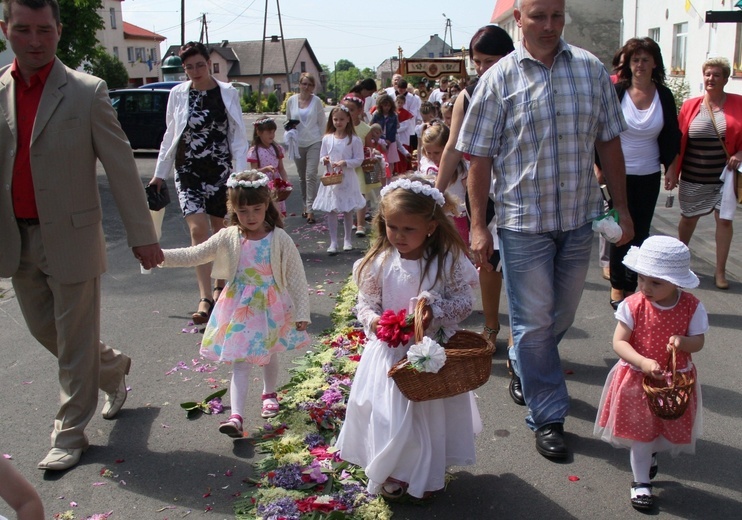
point(234, 182)
point(415, 187)
point(263, 121)
point(354, 99)
point(344, 109)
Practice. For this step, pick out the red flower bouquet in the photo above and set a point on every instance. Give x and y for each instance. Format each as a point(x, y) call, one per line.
point(395, 328)
point(280, 189)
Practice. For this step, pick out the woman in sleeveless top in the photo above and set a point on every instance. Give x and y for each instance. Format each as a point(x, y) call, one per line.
point(712, 138)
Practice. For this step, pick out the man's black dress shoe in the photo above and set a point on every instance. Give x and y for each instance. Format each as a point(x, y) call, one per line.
point(516, 390)
point(550, 441)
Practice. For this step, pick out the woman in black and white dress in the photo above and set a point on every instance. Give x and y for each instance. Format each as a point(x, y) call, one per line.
point(205, 135)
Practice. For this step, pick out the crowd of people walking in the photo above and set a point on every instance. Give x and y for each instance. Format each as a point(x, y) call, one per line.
point(489, 183)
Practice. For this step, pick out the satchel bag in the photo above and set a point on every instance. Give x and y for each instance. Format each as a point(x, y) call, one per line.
point(738, 176)
point(157, 200)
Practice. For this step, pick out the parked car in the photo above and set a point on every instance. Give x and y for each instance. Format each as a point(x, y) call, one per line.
point(161, 84)
point(141, 113)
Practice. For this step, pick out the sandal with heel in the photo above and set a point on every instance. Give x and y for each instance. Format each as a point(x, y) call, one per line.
point(271, 406)
point(201, 317)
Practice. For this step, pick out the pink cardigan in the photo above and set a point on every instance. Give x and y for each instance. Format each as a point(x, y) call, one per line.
point(732, 114)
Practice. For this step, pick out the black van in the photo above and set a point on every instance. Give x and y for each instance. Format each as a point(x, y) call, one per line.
point(142, 115)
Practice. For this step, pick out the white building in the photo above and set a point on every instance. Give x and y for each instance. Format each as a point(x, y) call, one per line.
point(685, 38)
point(137, 48)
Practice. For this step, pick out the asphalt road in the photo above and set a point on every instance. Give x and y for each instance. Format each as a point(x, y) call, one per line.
point(165, 466)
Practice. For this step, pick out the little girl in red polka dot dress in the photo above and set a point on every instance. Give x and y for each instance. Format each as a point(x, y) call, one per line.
point(651, 322)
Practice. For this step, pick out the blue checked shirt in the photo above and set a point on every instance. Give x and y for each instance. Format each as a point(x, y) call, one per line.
point(540, 126)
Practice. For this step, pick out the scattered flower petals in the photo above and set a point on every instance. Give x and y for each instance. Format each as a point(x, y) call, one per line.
point(573, 478)
point(7, 456)
point(122, 482)
point(73, 504)
point(569, 371)
point(228, 473)
point(164, 508)
point(207, 494)
point(119, 461)
point(27, 382)
point(165, 425)
point(98, 484)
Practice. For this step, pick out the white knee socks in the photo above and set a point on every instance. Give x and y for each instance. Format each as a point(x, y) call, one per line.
point(239, 386)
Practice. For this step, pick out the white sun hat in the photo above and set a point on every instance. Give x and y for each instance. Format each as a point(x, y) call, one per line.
point(665, 258)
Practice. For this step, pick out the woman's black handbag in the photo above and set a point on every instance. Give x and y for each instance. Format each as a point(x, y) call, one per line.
point(157, 200)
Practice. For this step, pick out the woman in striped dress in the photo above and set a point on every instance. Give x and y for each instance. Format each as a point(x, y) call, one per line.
point(712, 138)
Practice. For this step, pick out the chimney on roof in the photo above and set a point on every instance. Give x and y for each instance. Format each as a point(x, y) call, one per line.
point(274, 38)
point(433, 36)
point(224, 43)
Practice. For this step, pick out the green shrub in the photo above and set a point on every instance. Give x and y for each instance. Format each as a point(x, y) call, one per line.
point(272, 102)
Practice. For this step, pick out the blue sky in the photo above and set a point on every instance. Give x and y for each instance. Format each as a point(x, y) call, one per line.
point(360, 31)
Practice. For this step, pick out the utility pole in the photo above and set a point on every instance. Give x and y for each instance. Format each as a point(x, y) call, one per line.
point(182, 22)
point(262, 52)
point(204, 30)
point(447, 32)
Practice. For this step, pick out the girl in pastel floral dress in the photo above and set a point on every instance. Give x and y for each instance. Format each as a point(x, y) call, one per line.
point(264, 309)
point(405, 446)
point(651, 323)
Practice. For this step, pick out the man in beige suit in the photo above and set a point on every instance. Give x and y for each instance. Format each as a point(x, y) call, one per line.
point(54, 124)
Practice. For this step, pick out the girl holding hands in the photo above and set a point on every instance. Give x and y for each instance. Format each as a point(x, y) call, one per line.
point(264, 309)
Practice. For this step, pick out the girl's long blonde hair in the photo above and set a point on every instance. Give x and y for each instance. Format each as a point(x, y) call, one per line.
point(441, 243)
point(436, 133)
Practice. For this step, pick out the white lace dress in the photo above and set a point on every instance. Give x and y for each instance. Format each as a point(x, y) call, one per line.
point(384, 432)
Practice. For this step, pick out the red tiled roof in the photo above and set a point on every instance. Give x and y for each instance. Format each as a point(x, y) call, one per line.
point(502, 7)
point(133, 31)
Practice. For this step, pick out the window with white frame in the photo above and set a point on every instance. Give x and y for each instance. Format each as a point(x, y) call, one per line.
point(116, 52)
point(654, 33)
point(737, 65)
point(679, 48)
point(112, 12)
point(130, 54)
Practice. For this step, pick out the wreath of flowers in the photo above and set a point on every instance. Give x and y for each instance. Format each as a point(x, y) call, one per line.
point(415, 187)
point(262, 121)
point(234, 182)
point(354, 99)
point(343, 108)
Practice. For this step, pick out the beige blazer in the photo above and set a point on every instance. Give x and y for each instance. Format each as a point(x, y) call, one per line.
point(75, 126)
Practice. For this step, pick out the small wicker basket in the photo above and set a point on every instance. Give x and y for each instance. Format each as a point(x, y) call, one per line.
point(329, 180)
point(368, 164)
point(468, 366)
point(669, 400)
point(281, 195)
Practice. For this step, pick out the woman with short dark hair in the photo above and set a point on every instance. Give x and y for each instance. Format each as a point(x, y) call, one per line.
point(205, 136)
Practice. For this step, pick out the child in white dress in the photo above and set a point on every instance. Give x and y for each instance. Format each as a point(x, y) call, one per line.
point(341, 150)
point(264, 309)
point(652, 322)
point(405, 446)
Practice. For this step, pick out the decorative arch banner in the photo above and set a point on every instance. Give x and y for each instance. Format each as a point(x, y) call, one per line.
point(434, 68)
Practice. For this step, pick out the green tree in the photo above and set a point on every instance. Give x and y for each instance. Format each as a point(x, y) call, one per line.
point(343, 65)
point(108, 68)
point(80, 21)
